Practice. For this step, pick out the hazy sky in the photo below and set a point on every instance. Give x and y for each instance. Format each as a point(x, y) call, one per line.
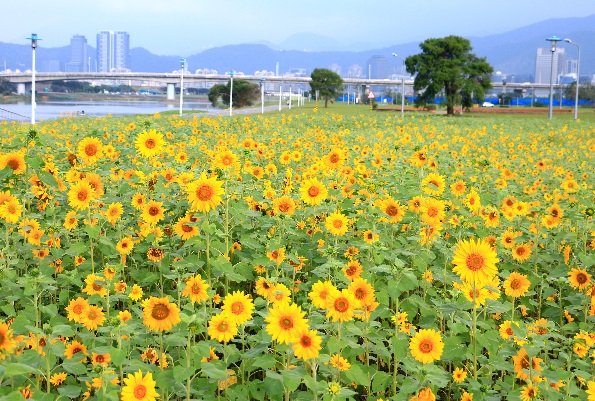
point(184, 27)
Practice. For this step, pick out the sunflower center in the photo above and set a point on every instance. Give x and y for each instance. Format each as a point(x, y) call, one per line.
point(97, 287)
point(432, 212)
point(186, 228)
point(90, 150)
point(515, 284)
point(360, 293)
point(150, 143)
point(82, 195)
point(306, 341)
point(426, 346)
point(525, 362)
point(100, 358)
point(204, 192)
point(153, 211)
point(14, 164)
point(76, 350)
point(284, 207)
point(341, 305)
point(275, 254)
point(77, 309)
point(581, 278)
point(196, 289)
point(334, 158)
point(222, 327)
point(337, 223)
point(160, 312)
point(313, 191)
point(140, 391)
point(92, 315)
point(474, 262)
point(392, 210)
point(237, 308)
point(286, 323)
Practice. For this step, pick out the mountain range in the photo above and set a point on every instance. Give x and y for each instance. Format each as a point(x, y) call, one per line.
point(511, 52)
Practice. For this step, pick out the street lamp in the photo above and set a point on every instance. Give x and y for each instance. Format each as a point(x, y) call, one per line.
point(34, 40)
point(553, 41)
point(262, 95)
point(231, 95)
point(183, 63)
point(578, 75)
point(402, 84)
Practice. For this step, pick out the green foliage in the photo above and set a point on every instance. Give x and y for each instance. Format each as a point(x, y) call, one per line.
point(328, 84)
point(586, 91)
point(448, 65)
point(244, 93)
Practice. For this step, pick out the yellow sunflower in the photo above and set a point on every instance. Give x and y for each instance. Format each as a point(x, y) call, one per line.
point(7, 342)
point(186, 227)
point(341, 305)
point(459, 375)
point(426, 346)
point(114, 212)
point(95, 285)
point(425, 394)
point(284, 205)
point(353, 270)
point(153, 212)
point(432, 211)
point(11, 210)
point(392, 208)
point(307, 344)
point(285, 322)
point(320, 293)
point(139, 388)
point(458, 188)
point(159, 314)
point(433, 184)
point(205, 193)
point(81, 194)
point(475, 261)
point(579, 278)
point(337, 223)
point(196, 289)
point(521, 252)
point(516, 285)
point(221, 328)
point(89, 150)
point(74, 348)
point(124, 246)
point(363, 291)
point(522, 365)
point(529, 392)
point(238, 306)
point(14, 160)
point(92, 317)
point(149, 144)
point(313, 192)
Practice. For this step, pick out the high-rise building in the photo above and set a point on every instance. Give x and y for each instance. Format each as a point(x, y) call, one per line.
point(78, 55)
point(113, 51)
point(543, 65)
point(378, 67)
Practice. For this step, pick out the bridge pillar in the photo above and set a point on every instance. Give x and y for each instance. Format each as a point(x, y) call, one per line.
point(171, 91)
point(21, 89)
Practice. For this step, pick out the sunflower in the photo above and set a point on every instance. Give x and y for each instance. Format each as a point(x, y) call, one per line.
point(139, 388)
point(341, 305)
point(475, 261)
point(521, 365)
point(100, 359)
point(149, 144)
point(334, 159)
point(306, 344)
point(238, 306)
point(433, 184)
point(14, 160)
point(159, 314)
point(153, 212)
point(225, 159)
point(579, 279)
point(472, 201)
point(124, 246)
point(284, 205)
point(89, 150)
point(370, 237)
point(591, 390)
point(7, 342)
point(516, 285)
point(81, 194)
point(196, 289)
point(58, 378)
point(320, 293)
point(76, 308)
point(529, 392)
point(280, 294)
point(508, 238)
point(458, 188)
point(221, 328)
point(353, 270)
point(114, 212)
point(338, 362)
point(74, 348)
point(521, 252)
point(459, 375)
point(155, 254)
point(205, 193)
point(363, 291)
point(425, 394)
point(136, 292)
point(95, 285)
point(432, 211)
point(466, 396)
point(264, 287)
point(392, 208)
point(138, 201)
point(426, 346)
point(285, 322)
point(313, 192)
point(278, 255)
point(337, 223)
point(186, 228)
point(92, 317)
point(11, 210)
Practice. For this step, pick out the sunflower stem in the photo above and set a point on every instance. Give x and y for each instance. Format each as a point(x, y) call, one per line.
point(91, 243)
point(474, 336)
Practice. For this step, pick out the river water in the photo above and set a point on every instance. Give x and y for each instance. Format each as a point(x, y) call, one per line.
point(57, 109)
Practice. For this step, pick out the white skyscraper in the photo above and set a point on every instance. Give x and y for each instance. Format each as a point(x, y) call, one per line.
point(543, 65)
point(113, 51)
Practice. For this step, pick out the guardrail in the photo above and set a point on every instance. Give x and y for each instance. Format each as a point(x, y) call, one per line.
point(11, 116)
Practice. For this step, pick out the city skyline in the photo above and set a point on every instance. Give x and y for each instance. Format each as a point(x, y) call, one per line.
point(185, 27)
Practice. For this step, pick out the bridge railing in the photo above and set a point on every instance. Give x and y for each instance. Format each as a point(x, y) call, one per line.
point(12, 116)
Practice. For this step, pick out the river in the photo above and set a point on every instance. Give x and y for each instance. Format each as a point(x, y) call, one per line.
point(56, 109)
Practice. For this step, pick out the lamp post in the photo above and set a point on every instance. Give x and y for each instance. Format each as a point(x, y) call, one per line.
point(34, 40)
point(262, 95)
point(553, 41)
point(578, 75)
point(183, 64)
point(402, 84)
point(231, 95)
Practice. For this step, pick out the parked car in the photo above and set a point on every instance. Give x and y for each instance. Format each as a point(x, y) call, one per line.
point(487, 104)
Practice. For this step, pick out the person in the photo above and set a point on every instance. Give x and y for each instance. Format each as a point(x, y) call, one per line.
point(82, 112)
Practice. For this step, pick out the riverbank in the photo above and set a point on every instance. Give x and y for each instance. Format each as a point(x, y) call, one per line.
point(98, 97)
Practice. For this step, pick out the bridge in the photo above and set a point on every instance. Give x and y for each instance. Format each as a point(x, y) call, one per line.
point(171, 79)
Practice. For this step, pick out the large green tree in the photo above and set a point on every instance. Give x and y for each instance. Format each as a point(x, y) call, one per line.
point(448, 65)
point(244, 93)
point(328, 84)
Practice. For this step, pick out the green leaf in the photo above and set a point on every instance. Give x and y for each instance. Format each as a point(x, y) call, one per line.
point(292, 378)
point(93, 231)
point(357, 375)
point(77, 249)
point(16, 369)
point(264, 362)
point(47, 178)
point(182, 373)
point(70, 391)
point(5, 172)
point(215, 370)
point(380, 381)
point(118, 356)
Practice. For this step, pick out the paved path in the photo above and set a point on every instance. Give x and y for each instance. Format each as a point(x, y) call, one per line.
point(251, 110)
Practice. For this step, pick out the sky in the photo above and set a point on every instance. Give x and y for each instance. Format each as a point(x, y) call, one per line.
point(186, 27)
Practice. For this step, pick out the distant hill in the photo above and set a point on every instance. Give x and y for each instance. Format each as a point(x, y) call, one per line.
point(511, 52)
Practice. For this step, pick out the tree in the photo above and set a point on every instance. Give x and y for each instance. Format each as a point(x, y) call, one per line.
point(6, 87)
point(328, 84)
point(448, 64)
point(244, 93)
point(585, 92)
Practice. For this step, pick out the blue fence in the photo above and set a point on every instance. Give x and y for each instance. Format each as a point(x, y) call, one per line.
point(520, 101)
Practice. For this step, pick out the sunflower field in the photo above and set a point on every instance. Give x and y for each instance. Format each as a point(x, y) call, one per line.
point(297, 256)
